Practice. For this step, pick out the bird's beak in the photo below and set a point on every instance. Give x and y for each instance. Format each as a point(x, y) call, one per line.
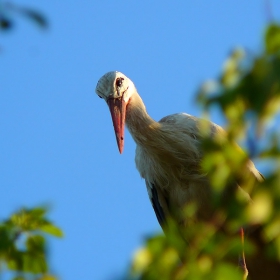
point(117, 108)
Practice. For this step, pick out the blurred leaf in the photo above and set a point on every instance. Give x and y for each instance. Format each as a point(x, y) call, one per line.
point(19, 278)
point(260, 211)
point(35, 16)
point(5, 23)
point(34, 219)
point(230, 271)
point(47, 277)
point(272, 39)
point(23, 246)
point(5, 241)
point(141, 259)
point(51, 229)
point(232, 70)
point(35, 244)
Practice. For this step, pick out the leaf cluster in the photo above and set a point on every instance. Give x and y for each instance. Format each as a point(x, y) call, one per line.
point(23, 246)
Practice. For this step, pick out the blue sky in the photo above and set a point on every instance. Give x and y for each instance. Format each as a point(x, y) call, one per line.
point(57, 142)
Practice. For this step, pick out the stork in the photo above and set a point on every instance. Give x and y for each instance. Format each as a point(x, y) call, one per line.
point(168, 152)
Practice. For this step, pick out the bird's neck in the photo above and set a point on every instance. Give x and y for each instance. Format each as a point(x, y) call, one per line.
point(139, 123)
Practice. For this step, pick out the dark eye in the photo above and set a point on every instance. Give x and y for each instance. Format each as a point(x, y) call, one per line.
point(100, 96)
point(119, 82)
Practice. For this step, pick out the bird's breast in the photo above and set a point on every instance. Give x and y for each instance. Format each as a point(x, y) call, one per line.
point(179, 191)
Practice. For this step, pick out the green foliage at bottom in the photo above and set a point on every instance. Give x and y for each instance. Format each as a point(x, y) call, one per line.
point(23, 244)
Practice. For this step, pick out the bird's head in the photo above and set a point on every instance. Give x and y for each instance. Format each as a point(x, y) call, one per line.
point(116, 89)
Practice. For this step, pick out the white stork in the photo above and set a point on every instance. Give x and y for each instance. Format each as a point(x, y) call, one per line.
point(168, 157)
point(168, 154)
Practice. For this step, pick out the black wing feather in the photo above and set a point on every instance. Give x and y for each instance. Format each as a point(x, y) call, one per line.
point(157, 207)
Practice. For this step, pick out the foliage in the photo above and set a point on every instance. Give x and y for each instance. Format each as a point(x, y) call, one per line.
point(248, 94)
point(23, 246)
point(9, 10)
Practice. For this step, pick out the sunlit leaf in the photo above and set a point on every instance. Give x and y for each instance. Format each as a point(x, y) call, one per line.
point(52, 229)
point(141, 259)
point(260, 209)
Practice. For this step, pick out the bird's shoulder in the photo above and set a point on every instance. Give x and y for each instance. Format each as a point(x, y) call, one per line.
point(178, 118)
point(187, 122)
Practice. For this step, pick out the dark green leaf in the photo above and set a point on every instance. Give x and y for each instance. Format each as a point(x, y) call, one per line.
point(35, 244)
point(5, 23)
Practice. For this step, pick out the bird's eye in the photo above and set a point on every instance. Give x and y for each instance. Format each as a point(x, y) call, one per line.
point(119, 82)
point(100, 96)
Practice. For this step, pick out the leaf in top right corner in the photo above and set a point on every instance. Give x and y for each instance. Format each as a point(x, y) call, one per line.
point(272, 39)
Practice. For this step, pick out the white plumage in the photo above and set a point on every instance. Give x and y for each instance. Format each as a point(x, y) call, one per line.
point(168, 152)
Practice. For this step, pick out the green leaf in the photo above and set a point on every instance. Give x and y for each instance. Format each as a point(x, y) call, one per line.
point(272, 39)
point(38, 212)
point(34, 263)
point(52, 229)
point(36, 244)
point(228, 270)
point(5, 240)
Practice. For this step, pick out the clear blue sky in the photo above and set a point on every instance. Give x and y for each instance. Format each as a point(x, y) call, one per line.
point(57, 143)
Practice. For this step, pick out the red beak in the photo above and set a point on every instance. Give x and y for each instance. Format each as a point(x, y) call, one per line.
point(117, 108)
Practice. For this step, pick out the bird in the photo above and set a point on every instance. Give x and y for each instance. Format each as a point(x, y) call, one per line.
point(168, 152)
